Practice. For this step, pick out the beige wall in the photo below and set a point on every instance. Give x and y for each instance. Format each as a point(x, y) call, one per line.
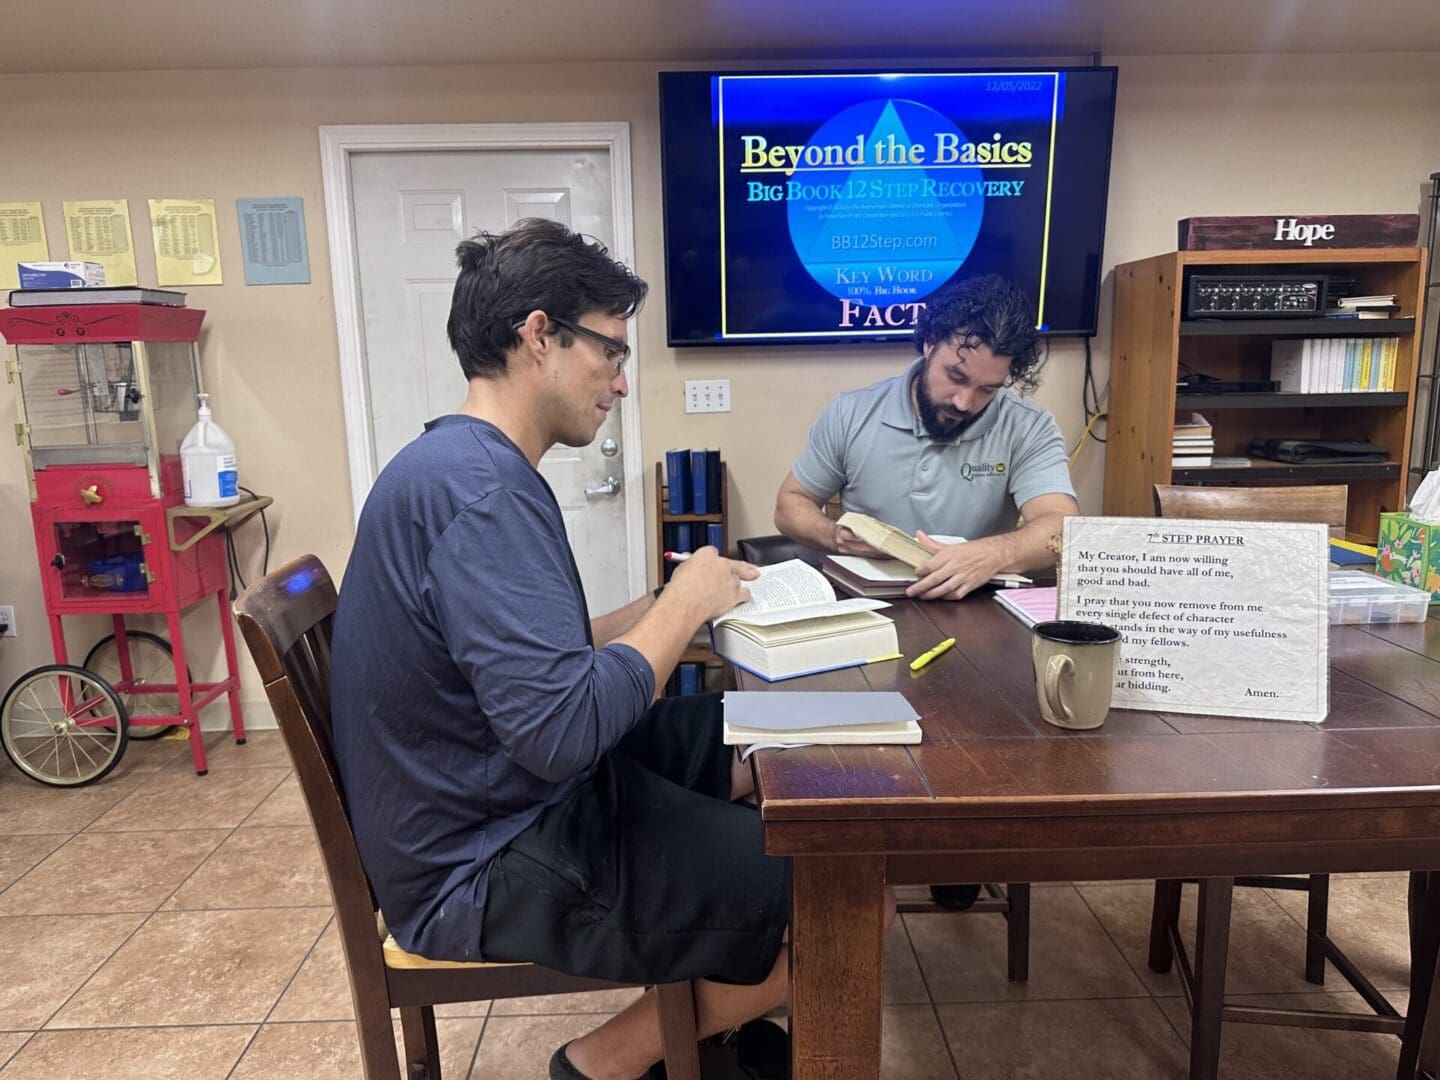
point(1194, 135)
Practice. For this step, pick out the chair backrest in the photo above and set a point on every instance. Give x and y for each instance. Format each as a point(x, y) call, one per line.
point(286, 619)
point(1323, 503)
point(764, 550)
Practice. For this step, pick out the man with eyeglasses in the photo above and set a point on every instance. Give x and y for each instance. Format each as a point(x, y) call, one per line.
point(514, 794)
point(947, 448)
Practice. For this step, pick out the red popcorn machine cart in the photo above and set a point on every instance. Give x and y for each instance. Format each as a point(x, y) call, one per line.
point(106, 392)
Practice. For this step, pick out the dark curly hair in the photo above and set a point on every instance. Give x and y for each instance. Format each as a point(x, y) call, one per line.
point(539, 265)
point(985, 310)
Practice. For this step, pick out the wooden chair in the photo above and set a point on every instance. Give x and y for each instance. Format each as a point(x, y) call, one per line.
point(1325, 504)
point(1012, 900)
point(286, 619)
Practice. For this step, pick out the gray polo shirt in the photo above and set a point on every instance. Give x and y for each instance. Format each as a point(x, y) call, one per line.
point(869, 446)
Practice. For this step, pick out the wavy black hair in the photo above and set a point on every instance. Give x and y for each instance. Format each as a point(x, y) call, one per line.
point(985, 310)
point(538, 265)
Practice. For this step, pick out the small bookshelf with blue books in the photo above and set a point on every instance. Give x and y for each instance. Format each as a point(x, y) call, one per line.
point(691, 512)
point(691, 505)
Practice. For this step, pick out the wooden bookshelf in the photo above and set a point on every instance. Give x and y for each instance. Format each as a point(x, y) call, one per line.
point(1152, 346)
point(694, 654)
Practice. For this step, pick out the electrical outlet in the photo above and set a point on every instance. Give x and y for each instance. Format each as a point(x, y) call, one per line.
point(707, 395)
point(7, 620)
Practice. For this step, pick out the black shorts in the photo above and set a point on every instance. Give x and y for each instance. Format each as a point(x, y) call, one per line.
point(646, 873)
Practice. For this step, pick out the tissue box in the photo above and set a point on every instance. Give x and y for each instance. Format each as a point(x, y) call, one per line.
point(1409, 552)
point(61, 275)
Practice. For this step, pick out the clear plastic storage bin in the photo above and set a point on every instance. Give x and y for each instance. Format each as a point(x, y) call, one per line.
point(1358, 597)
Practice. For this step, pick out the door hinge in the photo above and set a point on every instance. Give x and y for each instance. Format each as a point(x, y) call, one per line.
point(22, 432)
point(149, 574)
point(12, 369)
point(144, 537)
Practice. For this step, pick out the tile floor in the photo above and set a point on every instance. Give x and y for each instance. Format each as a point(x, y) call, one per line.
point(161, 925)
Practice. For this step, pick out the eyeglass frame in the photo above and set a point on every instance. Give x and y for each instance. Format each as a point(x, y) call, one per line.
point(594, 335)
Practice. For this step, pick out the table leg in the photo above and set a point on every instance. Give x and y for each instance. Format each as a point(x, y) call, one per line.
point(1212, 946)
point(836, 938)
point(1164, 914)
point(1417, 1045)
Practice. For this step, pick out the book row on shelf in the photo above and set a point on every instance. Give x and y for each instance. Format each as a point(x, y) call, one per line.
point(687, 678)
point(692, 481)
point(685, 536)
point(1334, 365)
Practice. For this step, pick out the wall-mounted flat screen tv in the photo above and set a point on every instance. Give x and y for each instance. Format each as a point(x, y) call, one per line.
point(812, 207)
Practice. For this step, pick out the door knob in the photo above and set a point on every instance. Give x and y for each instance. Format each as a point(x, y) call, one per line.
point(609, 447)
point(611, 486)
point(90, 495)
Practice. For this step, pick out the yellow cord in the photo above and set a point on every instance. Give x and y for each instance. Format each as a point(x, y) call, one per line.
point(1075, 454)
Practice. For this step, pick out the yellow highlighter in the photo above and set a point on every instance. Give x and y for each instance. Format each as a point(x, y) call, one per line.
point(920, 661)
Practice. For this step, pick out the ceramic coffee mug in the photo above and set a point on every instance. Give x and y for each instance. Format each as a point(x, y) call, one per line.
point(1074, 671)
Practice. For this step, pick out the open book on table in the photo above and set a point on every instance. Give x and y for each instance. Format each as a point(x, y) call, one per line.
point(793, 625)
point(890, 577)
point(761, 720)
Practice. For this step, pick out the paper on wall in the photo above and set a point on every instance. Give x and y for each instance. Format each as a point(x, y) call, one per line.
point(22, 239)
point(98, 230)
point(187, 245)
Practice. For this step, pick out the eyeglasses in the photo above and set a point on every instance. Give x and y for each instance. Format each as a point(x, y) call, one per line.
point(617, 352)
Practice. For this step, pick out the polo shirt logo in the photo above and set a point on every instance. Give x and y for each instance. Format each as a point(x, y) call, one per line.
point(970, 472)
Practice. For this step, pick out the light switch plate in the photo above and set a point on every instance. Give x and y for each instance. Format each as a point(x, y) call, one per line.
point(707, 395)
point(7, 620)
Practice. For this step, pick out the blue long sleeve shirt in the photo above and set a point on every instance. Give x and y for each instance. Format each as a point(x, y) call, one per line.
point(466, 689)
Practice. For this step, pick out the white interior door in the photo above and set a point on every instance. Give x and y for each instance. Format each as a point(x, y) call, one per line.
point(410, 209)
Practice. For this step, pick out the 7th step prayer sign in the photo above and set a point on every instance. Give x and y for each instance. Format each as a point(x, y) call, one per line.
point(1218, 617)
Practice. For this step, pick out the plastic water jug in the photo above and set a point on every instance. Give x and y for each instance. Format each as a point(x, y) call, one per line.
point(207, 460)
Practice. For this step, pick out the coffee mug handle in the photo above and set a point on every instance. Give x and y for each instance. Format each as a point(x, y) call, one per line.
point(1055, 667)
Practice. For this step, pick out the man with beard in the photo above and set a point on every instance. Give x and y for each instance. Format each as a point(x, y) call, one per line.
point(949, 447)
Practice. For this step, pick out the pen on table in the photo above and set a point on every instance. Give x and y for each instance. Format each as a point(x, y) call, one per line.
point(676, 556)
point(920, 661)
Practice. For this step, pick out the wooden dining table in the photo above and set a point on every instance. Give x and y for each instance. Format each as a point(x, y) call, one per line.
point(994, 793)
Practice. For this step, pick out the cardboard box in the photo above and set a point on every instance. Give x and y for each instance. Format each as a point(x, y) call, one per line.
point(61, 275)
point(1409, 552)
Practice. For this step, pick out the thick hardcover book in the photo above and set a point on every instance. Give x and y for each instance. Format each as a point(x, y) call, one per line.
point(889, 577)
point(793, 625)
point(904, 547)
point(712, 481)
point(699, 483)
point(715, 536)
point(886, 538)
point(677, 480)
point(120, 294)
point(763, 720)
